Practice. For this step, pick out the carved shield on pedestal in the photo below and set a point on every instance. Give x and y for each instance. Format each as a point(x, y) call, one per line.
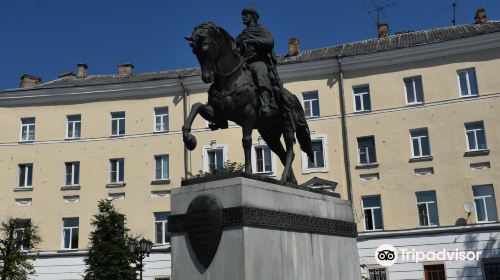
point(204, 227)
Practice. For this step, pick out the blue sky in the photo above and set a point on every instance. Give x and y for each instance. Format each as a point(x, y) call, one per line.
point(48, 37)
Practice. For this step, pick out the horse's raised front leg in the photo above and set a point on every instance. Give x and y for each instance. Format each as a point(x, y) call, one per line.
point(247, 147)
point(206, 111)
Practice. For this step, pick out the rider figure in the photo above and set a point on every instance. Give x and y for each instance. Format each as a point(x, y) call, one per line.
point(259, 45)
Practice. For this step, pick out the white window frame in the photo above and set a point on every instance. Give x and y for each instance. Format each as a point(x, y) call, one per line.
point(310, 102)
point(419, 139)
point(363, 208)
point(70, 233)
point(72, 124)
point(475, 136)
point(28, 126)
point(305, 160)
point(483, 198)
point(469, 92)
point(262, 144)
point(163, 122)
point(116, 179)
point(21, 230)
point(204, 154)
point(164, 224)
point(117, 120)
point(413, 78)
point(74, 165)
point(354, 94)
point(427, 209)
point(25, 179)
point(160, 157)
point(367, 153)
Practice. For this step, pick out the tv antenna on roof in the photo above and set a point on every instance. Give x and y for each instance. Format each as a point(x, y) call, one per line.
point(454, 7)
point(380, 9)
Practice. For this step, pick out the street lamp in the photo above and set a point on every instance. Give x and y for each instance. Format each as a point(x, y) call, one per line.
point(143, 251)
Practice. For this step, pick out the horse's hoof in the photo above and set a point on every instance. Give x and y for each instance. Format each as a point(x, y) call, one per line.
point(190, 142)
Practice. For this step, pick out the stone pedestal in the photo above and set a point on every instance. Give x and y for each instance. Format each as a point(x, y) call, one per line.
point(270, 232)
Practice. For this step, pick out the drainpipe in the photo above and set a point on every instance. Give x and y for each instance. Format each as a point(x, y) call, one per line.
point(344, 130)
point(184, 107)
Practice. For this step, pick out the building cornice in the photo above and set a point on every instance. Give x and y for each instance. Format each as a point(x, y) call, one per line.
point(362, 236)
point(289, 72)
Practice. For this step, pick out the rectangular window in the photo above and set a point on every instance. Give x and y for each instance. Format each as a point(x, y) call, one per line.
point(20, 233)
point(311, 104)
point(162, 235)
point(27, 129)
point(70, 233)
point(319, 156)
point(476, 137)
point(491, 270)
point(366, 150)
point(25, 175)
point(377, 274)
point(427, 209)
point(117, 170)
point(414, 90)
point(484, 198)
point(161, 170)
point(372, 211)
point(74, 126)
point(72, 173)
point(468, 83)
point(117, 123)
point(434, 272)
point(263, 160)
point(215, 159)
point(362, 99)
point(161, 119)
point(420, 144)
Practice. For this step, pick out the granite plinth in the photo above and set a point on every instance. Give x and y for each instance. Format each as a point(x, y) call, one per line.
point(303, 235)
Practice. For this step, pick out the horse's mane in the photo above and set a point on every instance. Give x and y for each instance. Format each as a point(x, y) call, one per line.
point(214, 30)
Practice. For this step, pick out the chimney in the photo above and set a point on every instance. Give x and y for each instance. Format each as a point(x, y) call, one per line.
point(67, 75)
point(28, 81)
point(125, 69)
point(480, 16)
point(383, 30)
point(82, 70)
point(293, 46)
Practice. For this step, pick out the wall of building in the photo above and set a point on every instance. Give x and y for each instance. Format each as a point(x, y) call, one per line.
point(444, 114)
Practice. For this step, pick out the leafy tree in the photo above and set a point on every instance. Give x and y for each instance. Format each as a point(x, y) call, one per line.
point(229, 167)
point(109, 256)
point(17, 238)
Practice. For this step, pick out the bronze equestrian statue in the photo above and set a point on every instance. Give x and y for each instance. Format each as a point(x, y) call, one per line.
point(246, 89)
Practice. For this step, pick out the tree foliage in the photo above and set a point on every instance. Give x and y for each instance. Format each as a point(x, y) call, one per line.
point(109, 256)
point(17, 238)
point(229, 167)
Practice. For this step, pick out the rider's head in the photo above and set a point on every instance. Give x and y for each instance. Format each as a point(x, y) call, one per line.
point(249, 14)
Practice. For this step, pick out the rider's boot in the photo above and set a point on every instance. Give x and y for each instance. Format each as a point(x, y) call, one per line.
point(265, 97)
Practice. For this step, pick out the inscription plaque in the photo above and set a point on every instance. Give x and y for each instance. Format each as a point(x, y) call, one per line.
point(204, 225)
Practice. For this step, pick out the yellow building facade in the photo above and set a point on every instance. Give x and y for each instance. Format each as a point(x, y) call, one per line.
point(404, 126)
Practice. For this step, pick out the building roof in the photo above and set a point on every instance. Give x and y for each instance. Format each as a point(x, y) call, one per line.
point(397, 41)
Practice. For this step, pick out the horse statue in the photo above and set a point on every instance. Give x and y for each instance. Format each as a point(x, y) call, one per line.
point(232, 96)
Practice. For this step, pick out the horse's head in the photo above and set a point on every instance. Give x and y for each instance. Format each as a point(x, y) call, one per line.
point(207, 40)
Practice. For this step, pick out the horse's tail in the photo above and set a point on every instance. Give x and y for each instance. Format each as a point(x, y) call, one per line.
point(292, 104)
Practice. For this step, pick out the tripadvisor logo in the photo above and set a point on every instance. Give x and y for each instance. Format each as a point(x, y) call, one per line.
point(386, 255)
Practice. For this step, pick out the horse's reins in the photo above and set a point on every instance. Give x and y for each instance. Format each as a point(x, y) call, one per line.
point(242, 61)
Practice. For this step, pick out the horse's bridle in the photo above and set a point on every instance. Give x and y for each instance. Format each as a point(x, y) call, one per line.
point(242, 61)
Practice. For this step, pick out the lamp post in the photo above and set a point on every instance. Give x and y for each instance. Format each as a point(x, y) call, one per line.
point(142, 251)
